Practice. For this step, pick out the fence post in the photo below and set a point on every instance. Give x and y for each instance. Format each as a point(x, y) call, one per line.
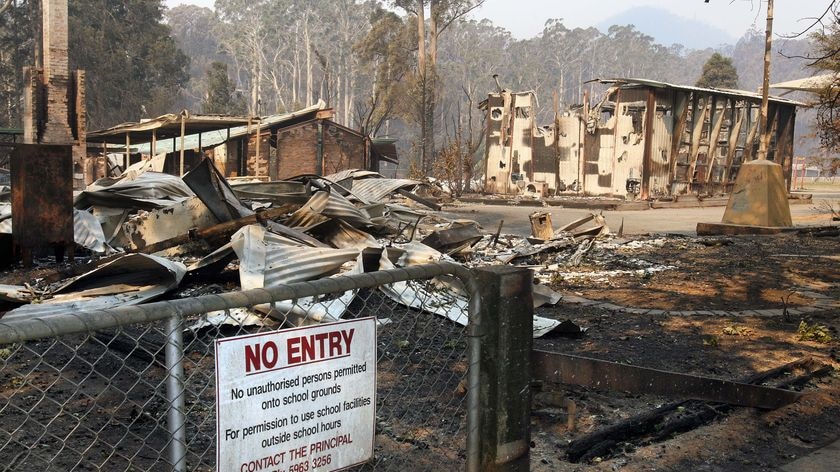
point(175, 418)
point(503, 312)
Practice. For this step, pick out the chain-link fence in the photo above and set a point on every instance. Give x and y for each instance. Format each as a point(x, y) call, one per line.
point(134, 388)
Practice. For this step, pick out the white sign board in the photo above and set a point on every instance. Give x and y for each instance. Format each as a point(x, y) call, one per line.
point(296, 400)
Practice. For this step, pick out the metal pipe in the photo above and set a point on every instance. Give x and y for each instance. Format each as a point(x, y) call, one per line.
point(474, 382)
point(175, 418)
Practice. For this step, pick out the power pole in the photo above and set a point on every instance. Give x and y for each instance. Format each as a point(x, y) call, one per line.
point(764, 129)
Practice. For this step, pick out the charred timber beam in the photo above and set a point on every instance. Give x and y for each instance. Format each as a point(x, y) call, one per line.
point(567, 369)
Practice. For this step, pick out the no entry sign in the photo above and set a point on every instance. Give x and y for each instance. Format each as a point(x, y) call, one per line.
point(296, 400)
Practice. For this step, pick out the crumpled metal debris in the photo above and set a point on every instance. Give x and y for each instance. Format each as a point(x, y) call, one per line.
point(87, 229)
point(267, 259)
point(143, 191)
point(128, 280)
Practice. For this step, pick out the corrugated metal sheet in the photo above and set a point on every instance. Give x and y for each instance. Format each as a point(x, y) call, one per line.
point(214, 138)
point(129, 280)
point(324, 205)
point(144, 191)
point(352, 173)
point(6, 218)
point(375, 190)
point(267, 259)
point(87, 232)
point(341, 235)
point(727, 92)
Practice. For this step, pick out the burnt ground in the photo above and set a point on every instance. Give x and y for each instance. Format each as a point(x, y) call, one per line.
point(733, 274)
point(422, 363)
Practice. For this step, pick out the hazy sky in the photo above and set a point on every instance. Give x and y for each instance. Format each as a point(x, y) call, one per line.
point(525, 18)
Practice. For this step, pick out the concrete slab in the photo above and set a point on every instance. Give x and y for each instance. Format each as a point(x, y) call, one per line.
point(824, 459)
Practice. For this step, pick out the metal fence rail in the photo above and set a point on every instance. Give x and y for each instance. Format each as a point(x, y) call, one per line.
point(133, 388)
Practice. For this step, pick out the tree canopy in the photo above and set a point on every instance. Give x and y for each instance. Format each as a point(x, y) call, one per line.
point(221, 97)
point(826, 58)
point(718, 72)
point(133, 66)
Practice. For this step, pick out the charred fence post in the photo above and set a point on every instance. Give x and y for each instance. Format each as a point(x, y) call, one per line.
point(504, 325)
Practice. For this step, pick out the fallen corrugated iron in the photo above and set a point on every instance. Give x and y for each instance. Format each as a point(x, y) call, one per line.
point(415, 253)
point(6, 218)
point(324, 205)
point(599, 228)
point(441, 296)
point(236, 317)
point(87, 232)
point(376, 190)
point(426, 295)
point(267, 260)
point(352, 174)
point(212, 188)
point(341, 235)
point(278, 192)
point(129, 280)
point(145, 191)
point(525, 249)
point(545, 295)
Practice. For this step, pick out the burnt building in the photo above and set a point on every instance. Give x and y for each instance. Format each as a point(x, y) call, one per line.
point(644, 139)
point(275, 147)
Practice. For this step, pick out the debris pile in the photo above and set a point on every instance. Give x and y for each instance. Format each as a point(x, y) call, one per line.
point(151, 230)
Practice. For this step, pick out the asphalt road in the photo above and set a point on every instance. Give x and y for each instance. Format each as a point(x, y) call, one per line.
point(677, 220)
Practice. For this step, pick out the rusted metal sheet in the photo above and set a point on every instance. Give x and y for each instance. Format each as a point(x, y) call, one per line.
point(574, 370)
point(42, 197)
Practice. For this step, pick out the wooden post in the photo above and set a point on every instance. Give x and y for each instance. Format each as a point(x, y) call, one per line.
point(183, 130)
point(681, 107)
point(764, 139)
point(127, 151)
point(154, 143)
point(257, 155)
point(319, 150)
point(717, 124)
point(505, 311)
point(647, 159)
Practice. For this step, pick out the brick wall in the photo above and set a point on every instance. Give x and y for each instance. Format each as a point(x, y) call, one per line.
point(342, 149)
point(297, 149)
